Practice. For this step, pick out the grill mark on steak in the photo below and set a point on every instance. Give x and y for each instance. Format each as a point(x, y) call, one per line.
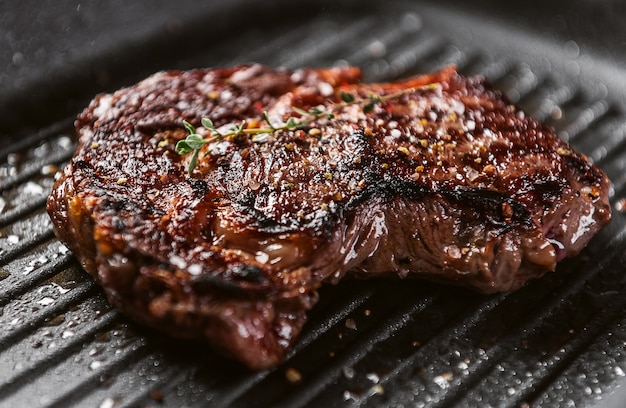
point(453, 185)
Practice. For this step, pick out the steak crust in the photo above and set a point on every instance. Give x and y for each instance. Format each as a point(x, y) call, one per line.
point(452, 184)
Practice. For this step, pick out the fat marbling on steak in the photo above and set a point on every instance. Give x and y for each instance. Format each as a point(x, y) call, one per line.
point(450, 183)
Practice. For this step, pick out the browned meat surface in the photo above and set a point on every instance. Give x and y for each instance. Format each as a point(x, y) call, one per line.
point(451, 183)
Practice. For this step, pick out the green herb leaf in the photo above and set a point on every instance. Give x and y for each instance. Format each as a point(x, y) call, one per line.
point(267, 119)
point(195, 141)
point(346, 97)
point(183, 148)
point(261, 137)
point(208, 124)
point(299, 111)
point(292, 123)
point(315, 111)
point(193, 162)
point(368, 108)
point(189, 127)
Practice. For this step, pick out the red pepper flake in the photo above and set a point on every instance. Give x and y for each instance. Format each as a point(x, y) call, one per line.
point(390, 108)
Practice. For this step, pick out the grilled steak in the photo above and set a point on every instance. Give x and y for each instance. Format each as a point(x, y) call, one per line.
point(450, 183)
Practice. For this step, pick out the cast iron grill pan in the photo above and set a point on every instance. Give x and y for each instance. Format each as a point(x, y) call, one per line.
point(557, 341)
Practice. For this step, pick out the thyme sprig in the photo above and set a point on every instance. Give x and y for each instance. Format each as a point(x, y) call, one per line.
point(194, 141)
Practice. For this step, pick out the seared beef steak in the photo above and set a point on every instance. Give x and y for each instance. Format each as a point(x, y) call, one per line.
point(449, 183)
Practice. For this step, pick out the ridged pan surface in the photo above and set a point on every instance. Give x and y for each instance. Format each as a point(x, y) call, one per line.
point(559, 341)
